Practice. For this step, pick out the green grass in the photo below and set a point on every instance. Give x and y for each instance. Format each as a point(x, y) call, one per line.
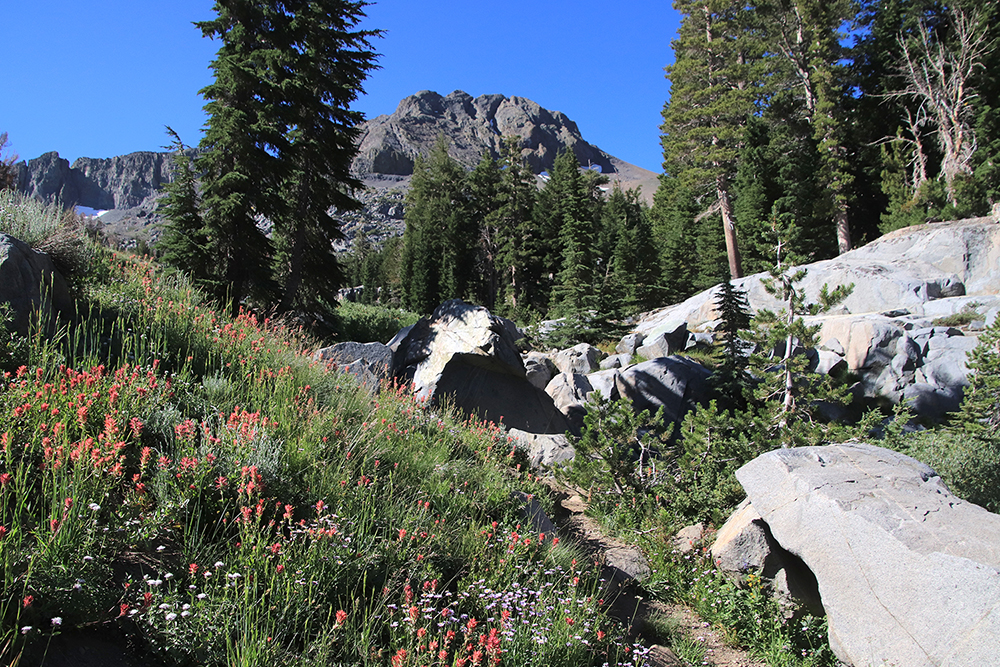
point(203, 487)
point(365, 323)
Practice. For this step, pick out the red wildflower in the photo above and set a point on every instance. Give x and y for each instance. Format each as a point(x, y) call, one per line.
point(341, 617)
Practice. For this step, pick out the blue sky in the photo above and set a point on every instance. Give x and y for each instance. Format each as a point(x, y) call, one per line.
point(97, 78)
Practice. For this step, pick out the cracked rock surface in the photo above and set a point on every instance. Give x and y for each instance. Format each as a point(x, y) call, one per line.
point(908, 573)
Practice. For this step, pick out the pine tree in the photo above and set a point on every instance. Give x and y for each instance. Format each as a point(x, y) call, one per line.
point(730, 378)
point(242, 176)
point(320, 74)
point(673, 218)
point(441, 240)
point(485, 185)
point(518, 262)
point(716, 84)
point(7, 161)
point(576, 209)
point(806, 34)
point(629, 255)
point(184, 243)
point(278, 144)
point(787, 392)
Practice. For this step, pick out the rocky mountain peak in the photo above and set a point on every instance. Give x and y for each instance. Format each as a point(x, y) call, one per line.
point(475, 127)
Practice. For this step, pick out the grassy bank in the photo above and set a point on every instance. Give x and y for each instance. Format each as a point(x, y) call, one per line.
point(203, 492)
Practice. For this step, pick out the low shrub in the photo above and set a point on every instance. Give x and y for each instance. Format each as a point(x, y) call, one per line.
point(364, 323)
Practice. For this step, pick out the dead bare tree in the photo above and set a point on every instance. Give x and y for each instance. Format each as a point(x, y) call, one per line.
point(937, 76)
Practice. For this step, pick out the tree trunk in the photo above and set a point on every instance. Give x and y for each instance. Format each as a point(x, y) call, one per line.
point(729, 228)
point(843, 230)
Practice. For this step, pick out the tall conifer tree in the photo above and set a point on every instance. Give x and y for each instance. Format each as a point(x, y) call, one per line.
point(279, 142)
point(716, 83)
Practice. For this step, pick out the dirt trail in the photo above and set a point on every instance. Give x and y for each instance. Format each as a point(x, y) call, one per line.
point(620, 562)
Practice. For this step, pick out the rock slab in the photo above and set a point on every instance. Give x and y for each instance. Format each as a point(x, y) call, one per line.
point(908, 573)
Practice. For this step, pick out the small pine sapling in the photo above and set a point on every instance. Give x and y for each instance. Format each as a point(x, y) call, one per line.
point(787, 388)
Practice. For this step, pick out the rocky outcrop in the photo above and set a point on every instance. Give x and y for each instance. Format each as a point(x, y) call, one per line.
point(885, 330)
point(122, 182)
point(468, 357)
point(908, 573)
point(29, 281)
point(744, 546)
point(475, 128)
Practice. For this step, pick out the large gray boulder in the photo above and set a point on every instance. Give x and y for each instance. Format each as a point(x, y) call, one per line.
point(370, 363)
point(544, 450)
point(744, 546)
point(582, 358)
point(539, 368)
point(908, 573)
point(467, 356)
point(676, 384)
point(29, 282)
point(569, 393)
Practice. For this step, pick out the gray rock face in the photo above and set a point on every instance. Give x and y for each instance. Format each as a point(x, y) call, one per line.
point(902, 282)
point(544, 450)
point(369, 362)
point(674, 383)
point(122, 182)
point(25, 276)
point(665, 343)
point(908, 573)
point(630, 343)
point(620, 360)
point(390, 144)
point(582, 358)
point(744, 545)
point(538, 368)
point(470, 356)
point(569, 394)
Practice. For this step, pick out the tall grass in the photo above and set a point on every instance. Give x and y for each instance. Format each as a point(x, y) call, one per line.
point(47, 228)
point(205, 487)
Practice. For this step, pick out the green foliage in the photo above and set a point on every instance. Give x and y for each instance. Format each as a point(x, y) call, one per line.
point(745, 610)
point(787, 391)
point(673, 215)
point(730, 379)
point(616, 447)
point(441, 241)
point(220, 498)
point(979, 412)
point(184, 243)
point(712, 445)
point(364, 323)
point(278, 146)
point(13, 346)
point(930, 203)
point(575, 208)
